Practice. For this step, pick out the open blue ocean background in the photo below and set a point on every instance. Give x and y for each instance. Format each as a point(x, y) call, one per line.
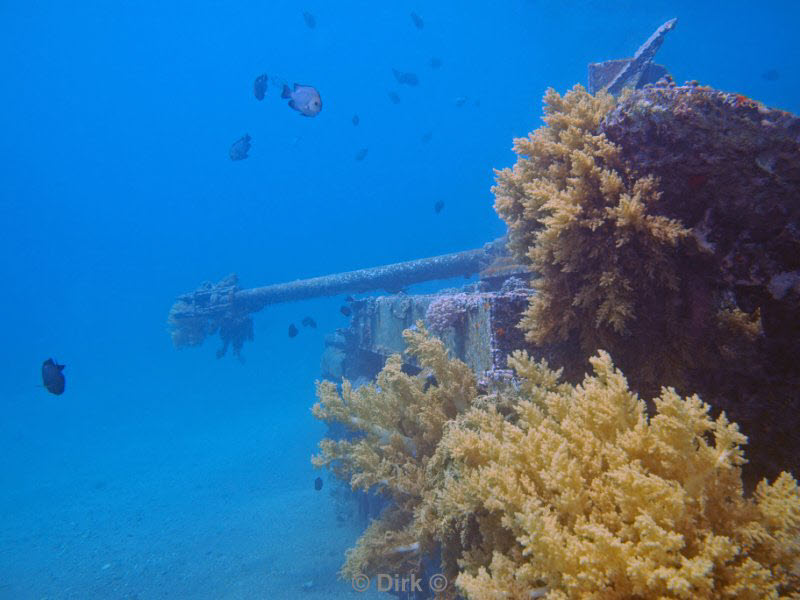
point(170, 474)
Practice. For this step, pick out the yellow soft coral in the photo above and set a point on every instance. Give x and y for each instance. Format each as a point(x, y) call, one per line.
point(600, 501)
point(398, 423)
point(614, 271)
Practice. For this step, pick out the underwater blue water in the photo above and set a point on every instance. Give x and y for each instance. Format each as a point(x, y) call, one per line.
point(170, 474)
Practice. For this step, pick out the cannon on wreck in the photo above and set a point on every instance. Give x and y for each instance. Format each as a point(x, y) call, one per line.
point(482, 336)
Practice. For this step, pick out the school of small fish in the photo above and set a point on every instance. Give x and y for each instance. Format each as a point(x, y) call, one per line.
point(307, 101)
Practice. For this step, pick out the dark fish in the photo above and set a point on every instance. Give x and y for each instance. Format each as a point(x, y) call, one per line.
point(406, 78)
point(292, 330)
point(438, 206)
point(304, 99)
point(309, 322)
point(430, 380)
point(361, 154)
point(311, 22)
point(355, 120)
point(426, 137)
point(435, 62)
point(417, 20)
point(345, 310)
point(240, 148)
point(394, 97)
point(318, 483)
point(771, 75)
point(349, 299)
point(260, 86)
point(52, 377)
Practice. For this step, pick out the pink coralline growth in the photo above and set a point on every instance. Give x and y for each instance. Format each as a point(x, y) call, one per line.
point(448, 311)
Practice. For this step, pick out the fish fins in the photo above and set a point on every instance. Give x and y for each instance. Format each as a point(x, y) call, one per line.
point(292, 104)
point(286, 92)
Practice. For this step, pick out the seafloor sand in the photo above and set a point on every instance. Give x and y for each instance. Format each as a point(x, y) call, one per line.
point(217, 506)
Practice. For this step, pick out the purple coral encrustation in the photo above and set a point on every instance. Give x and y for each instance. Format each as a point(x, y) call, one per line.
point(448, 311)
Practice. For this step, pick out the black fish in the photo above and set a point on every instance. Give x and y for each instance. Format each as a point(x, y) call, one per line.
point(361, 154)
point(405, 78)
point(394, 97)
point(52, 377)
point(260, 86)
point(417, 20)
point(318, 483)
point(311, 22)
point(430, 380)
point(292, 330)
point(240, 148)
point(438, 206)
point(345, 310)
point(435, 62)
point(426, 137)
point(356, 120)
point(309, 322)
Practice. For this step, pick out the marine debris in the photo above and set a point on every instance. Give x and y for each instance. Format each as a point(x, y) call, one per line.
point(225, 308)
point(613, 76)
point(477, 323)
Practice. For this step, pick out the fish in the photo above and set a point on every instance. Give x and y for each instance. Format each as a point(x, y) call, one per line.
point(460, 101)
point(355, 120)
point(345, 310)
point(435, 62)
point(417, 20)
point(240, 148)
point(430, 381)
point(771, 75)
point(438, 206)
point(53, 377)
point(349, 299)
point(361, 154)
point(394, 97)
point(304, 99)
point(260, 86)
point(426, 137)
point(309, 322)
point(310, 20)
point(406, 78)
point(318, 483)
point(292, 330)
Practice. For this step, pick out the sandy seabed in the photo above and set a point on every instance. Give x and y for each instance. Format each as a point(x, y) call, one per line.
point(221, 507)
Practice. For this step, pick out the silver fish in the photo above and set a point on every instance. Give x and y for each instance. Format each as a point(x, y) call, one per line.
point(304, 99)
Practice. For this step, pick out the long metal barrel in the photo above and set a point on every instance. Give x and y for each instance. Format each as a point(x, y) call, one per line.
point(225, 308)
point(391, 278)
